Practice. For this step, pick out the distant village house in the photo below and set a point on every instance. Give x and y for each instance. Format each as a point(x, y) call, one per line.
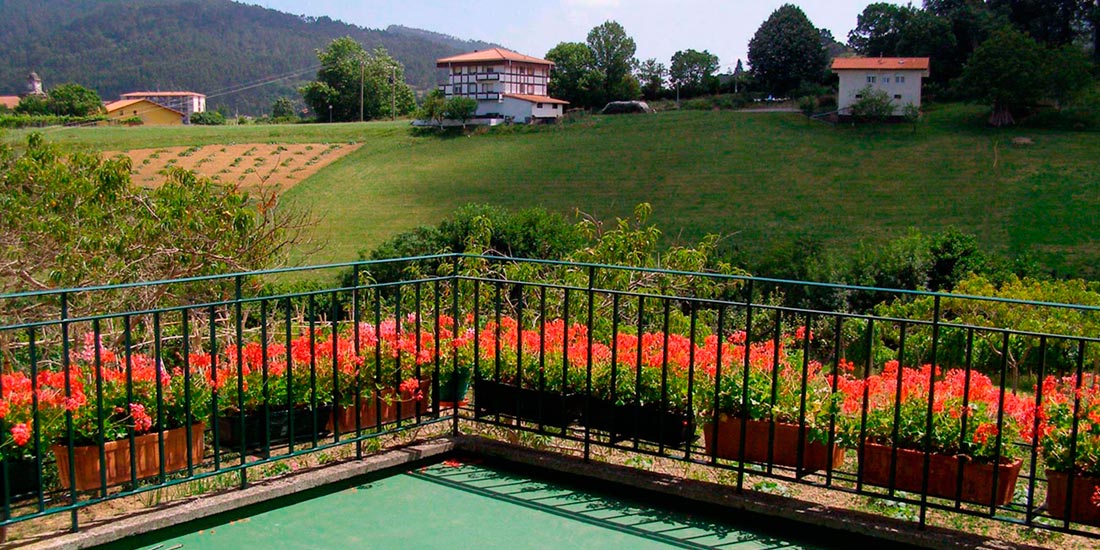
point(899, 77)
point(508, 86)
point(143, 112)
point(187, 103)
point(34, 87)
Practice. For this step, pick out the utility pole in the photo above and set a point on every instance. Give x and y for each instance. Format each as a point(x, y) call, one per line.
point(361, 69)
point(393, 82)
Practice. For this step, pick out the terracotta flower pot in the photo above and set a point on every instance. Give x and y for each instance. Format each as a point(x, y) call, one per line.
point(389, 409)
point(1082, 507)
point(943, 475)
point(117, 454)
point(784, 448)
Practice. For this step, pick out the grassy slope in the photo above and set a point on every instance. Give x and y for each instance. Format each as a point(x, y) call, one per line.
point(754, 177)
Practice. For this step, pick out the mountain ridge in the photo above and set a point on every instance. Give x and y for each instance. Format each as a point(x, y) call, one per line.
point(242, 56)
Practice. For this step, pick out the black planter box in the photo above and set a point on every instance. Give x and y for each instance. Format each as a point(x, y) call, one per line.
point(229, 427)
point(648, 422)
point(542, 407)
point(22, 479)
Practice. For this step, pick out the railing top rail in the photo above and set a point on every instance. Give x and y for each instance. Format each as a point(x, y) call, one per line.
point(586, 265)
point(141, 284)
point(835, 286)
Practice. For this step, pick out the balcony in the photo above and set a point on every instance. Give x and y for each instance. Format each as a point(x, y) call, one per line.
point(494, 96)
point(704, 370)
point(487, 76)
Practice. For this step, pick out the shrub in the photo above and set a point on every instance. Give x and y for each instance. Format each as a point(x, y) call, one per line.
point(874, 106)
point(208, 118)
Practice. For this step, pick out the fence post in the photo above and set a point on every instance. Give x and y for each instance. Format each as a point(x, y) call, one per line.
point(931, 411)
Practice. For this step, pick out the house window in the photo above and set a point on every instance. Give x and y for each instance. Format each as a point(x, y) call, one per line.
point(472, 88)
point(899, 79)
point(538, 105)
point(897, 96)
point(870, 79)
point(859, 96)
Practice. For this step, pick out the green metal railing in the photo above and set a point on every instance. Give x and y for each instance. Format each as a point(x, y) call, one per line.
point(216, 375)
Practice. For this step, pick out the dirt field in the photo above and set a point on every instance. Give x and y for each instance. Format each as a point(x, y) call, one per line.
point(246, 164)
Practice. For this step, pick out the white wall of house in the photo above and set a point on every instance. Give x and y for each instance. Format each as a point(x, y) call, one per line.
point(903, 87)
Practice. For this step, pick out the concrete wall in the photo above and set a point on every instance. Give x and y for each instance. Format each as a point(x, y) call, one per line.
point(901, 93)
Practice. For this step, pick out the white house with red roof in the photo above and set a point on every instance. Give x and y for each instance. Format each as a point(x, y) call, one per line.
point(507, 85)
point(899, 77)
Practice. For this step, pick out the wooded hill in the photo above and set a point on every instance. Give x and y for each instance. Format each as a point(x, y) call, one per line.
point(215, 47)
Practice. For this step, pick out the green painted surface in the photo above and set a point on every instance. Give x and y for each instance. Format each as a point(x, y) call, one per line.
point(455, 505)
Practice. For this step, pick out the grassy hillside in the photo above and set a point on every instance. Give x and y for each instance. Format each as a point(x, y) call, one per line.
point(759, 179)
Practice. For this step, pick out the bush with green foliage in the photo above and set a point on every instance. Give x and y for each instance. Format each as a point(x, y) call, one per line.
point(873, 105)
point(208, 118)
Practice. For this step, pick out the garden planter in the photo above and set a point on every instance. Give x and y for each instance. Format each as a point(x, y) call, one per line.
point(22, 478)
point(447, 387)
point(371, 410)
point(648, 422)
point(146, 455)
point(1082, 508)
point(304, 429)
point(943, 475)
point(544, 407)
point(784, 448)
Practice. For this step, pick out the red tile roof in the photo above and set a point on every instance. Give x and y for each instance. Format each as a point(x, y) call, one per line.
point(537, 99)
point(490, 55)
point(9, 101)
point(881, 63)
point(132, 95)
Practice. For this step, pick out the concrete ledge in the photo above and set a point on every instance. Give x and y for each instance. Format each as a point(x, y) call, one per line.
point(200, 507)
point(806, 513)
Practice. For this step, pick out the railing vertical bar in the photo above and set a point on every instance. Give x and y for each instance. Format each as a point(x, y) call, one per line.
point(665, 326)
point(238, 321)
point(35, 418)
point(185, 352)
point(715, 439)
point(312, 371)
point(214, 424)
point(395, 384)
point(291, 380)
point(335, 312)
point(927, 443)
point(902, 333)
point(127, 341)
point(777, 336)
point(802, 428)
point(638, 370)
point(837, 351)
point(376, 385)
point(357, 348)
point(965, 418)
point(98, 362)
point(519, 346)
point(614, 397)
point(74, 520)
point(1031, 508)
point(588, 364)
point(265, 373)
point(454, 355)
point(868, 363)
point(745, 366)
point(693, 332)
point(419, 348)
point(542, 351)
point(158, 364)
point(5, 475)
point(1074, 430)
point(564, 359)
point(496, 350)
point(477, 340)
point(1000, 419)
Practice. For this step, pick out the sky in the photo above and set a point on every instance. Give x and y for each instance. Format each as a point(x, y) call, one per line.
point(660, 28)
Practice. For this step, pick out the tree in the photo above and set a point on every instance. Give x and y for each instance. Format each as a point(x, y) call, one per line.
point(1069, 73)
point(460, 108)
point(208, 118)
point(874, 105)
point(613, 57)
point(651, 75)
point(74, 100)
point(879, 28)
point(691, 70)
point(740, 77)
point(574, 77)
point(1050, 22)
point(352, 81)
point(1008, 72)
point(434, 108)
point(33, 105)
point(283, 108)
point(77, 220)
point(786, 51)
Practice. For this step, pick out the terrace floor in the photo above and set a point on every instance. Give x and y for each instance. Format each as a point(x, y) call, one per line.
point(472, 505)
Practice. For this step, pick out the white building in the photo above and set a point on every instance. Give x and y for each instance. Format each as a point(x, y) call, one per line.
point(506, 84)
point(899, 77)
point(187, 103)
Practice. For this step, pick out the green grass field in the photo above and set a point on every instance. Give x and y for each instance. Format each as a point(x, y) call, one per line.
point(757, 178)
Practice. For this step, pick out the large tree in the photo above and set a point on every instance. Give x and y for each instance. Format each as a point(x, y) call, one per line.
point(1008, 72)
point(574, 77)
point(352, 81)
point(1051, 22)
point(692, 70)
point(651, 75)
point(786, 52)
point(879, 28)
point(613, 57)
point(904, 31)
point(74, 100)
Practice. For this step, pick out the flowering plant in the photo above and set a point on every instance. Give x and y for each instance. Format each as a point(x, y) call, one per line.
point(961, 400)
point(550, 358)
point(775, 383)
point(17, 413)
point(1056, 420)
point(137, 394)
point(651, 369)
point(401, 355)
